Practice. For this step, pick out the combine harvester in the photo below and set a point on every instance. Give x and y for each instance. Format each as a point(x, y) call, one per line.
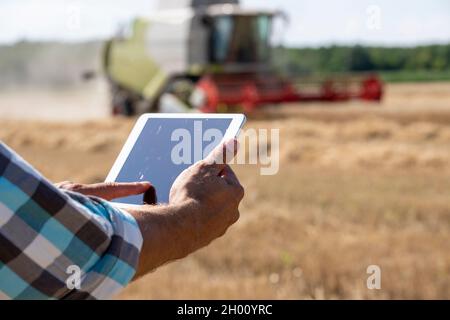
point(211, 56)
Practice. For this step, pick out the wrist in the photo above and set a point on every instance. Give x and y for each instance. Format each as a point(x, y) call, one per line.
point(170, 232)
point(185, 220)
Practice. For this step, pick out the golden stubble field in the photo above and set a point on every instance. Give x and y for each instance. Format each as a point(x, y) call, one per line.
point(359, 184)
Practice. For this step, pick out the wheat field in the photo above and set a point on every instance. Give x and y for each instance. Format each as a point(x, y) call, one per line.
point(359, 184)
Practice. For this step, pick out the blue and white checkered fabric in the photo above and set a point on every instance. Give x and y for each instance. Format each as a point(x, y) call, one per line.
point(44, 231)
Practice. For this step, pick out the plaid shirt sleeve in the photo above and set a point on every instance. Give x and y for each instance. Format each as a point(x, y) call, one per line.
point(48, 237)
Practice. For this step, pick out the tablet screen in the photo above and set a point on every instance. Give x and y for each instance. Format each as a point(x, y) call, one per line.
point(167, 146)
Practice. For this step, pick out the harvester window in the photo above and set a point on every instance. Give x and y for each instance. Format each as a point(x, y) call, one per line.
point(221, 38)
point(240, 39)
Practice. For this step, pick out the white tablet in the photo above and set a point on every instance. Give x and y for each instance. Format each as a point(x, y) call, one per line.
point(161, 146)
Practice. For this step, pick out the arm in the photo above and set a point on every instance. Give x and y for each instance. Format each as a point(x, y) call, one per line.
point(203, 203)
point(167, 235)
point(44, 231)
point(166, 229)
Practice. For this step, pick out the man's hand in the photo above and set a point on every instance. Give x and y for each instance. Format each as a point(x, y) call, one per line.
point(212, 191)
point(106, 190)
point(203, 203)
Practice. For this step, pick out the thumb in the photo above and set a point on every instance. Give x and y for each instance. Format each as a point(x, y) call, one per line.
point(224, 153)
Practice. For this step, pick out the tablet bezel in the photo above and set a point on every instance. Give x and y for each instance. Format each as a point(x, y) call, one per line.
point(237, 121)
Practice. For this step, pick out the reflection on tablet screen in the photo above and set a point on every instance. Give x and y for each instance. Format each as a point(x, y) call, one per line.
point(152, 157)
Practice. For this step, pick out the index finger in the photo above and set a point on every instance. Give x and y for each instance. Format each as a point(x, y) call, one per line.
point(114, 190)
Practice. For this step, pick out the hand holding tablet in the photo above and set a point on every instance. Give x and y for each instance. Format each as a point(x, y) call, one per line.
point(203, 203)
point(161, 146)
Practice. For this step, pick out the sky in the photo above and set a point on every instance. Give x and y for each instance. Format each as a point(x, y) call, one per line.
point(311, 22)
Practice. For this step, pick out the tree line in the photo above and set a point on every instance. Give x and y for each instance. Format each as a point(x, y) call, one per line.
point(432, 58)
